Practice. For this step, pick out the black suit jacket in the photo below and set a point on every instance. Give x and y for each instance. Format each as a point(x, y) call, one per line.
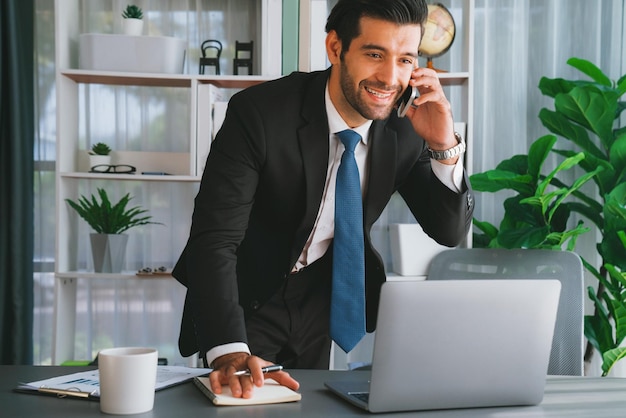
point(260, 194)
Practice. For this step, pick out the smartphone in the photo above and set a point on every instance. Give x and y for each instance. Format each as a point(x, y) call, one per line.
point(410, 94)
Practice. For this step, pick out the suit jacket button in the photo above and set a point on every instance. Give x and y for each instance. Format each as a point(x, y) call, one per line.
point(255, 305)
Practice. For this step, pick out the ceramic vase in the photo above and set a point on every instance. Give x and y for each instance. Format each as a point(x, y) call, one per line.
point(95, 160)
point(109, 252)
point(132, 27)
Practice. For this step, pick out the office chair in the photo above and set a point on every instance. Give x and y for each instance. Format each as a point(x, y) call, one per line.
point(243, 56)
point(211, 51)
point(566, 356)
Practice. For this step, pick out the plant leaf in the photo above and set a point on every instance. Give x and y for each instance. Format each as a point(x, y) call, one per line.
point(517, 164)
point(610, 357)
point(591, 108)
point(606, 179)
point(617, 152)
point(529, 237)
point(577, 185)
point(560, 125)
point(621, 85)
point(619, 310)
point(490, 230)
point(553, 86)
point(591, 70)
point(496, 180)
point(564, 165)
point(537, 154)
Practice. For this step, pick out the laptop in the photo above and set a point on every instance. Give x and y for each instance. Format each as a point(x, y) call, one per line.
point(458, 344)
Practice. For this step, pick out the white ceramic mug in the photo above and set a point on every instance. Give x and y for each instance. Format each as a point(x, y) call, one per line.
point(127, 379)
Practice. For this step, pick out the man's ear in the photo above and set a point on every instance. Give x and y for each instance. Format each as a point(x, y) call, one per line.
point(333, 47)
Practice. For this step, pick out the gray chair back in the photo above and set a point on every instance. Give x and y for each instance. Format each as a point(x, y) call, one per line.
point(566, 357)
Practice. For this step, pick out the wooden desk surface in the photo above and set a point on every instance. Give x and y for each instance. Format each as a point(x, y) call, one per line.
point(565, 397)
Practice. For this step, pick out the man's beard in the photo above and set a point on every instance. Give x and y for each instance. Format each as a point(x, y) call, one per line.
point(356, 100)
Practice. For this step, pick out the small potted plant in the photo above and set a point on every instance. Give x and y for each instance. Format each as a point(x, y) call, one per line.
point(132, 23)
point(109, 221)
point(99, 154)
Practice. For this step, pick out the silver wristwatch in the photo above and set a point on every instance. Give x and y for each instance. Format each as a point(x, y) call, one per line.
point(451, 152)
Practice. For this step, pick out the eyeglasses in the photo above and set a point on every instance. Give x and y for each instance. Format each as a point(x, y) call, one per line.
point(115, 169)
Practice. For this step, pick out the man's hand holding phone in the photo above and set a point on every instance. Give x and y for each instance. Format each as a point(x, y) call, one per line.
point(432, 120)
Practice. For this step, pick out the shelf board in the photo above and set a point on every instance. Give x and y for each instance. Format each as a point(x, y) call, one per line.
point(128, 79)
point(161, 80)
point(185, 80)
point(233, 81)
point(450, 79)
point(130, 177)
point(116, 276)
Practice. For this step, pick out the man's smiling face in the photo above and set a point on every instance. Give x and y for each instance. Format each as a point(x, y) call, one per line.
point(368, 79)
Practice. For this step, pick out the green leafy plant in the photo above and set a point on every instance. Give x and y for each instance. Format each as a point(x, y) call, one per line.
point(106, 218)
point(537, 216)
point(132, 12)
point(610, 308)
point(586, 113)
point(100, 149)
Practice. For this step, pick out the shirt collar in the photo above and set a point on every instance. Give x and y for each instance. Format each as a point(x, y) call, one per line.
point(336, 122)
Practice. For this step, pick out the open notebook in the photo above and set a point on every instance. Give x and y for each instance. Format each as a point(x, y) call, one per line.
point(270, 392)
point(458, 344)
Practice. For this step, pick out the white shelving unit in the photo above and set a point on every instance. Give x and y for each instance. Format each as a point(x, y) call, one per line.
point(184, 163)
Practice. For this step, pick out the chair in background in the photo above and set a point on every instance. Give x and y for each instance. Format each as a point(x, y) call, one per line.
point(211, 51)
point(243, 56)
point(566, 357)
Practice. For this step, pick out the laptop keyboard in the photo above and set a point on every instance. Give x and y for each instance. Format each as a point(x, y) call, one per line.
point(362, 396)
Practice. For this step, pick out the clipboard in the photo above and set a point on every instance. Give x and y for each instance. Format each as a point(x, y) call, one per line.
point(86, 385)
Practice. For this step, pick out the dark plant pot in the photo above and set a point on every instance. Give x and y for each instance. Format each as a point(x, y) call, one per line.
point(109, 252)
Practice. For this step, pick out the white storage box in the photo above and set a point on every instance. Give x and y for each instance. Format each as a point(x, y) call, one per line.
point(411, 249)
point(145, 54)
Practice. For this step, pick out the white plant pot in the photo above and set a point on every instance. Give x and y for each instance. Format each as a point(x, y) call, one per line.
point(95, 160)
point(109, 252)
point(132, 27)
point(411, 249)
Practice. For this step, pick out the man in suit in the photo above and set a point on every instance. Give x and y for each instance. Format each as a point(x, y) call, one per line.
point(257, 265)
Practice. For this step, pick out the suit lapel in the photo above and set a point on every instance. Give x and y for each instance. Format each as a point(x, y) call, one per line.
point(382, 155)
point(313, 141)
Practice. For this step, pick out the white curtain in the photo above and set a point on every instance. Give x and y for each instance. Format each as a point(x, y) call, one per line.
point(516, 42)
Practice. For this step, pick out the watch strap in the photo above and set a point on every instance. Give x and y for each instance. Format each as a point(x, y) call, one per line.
point(458, 149)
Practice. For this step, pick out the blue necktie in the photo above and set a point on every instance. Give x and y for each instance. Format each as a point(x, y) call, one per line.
point(347, 309)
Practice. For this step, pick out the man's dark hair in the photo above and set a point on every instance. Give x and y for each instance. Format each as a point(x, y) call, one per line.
point(344, 17)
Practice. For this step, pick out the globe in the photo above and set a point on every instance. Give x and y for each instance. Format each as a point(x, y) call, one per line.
point(439, 32)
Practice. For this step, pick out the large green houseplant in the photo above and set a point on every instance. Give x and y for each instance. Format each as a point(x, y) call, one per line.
point(587, 114)
point(109, 221)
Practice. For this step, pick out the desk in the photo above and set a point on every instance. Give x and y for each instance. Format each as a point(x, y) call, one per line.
point(565, 397)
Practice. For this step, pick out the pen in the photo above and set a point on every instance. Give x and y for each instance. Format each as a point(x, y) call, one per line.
point(266, 369)
point(61, 393)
